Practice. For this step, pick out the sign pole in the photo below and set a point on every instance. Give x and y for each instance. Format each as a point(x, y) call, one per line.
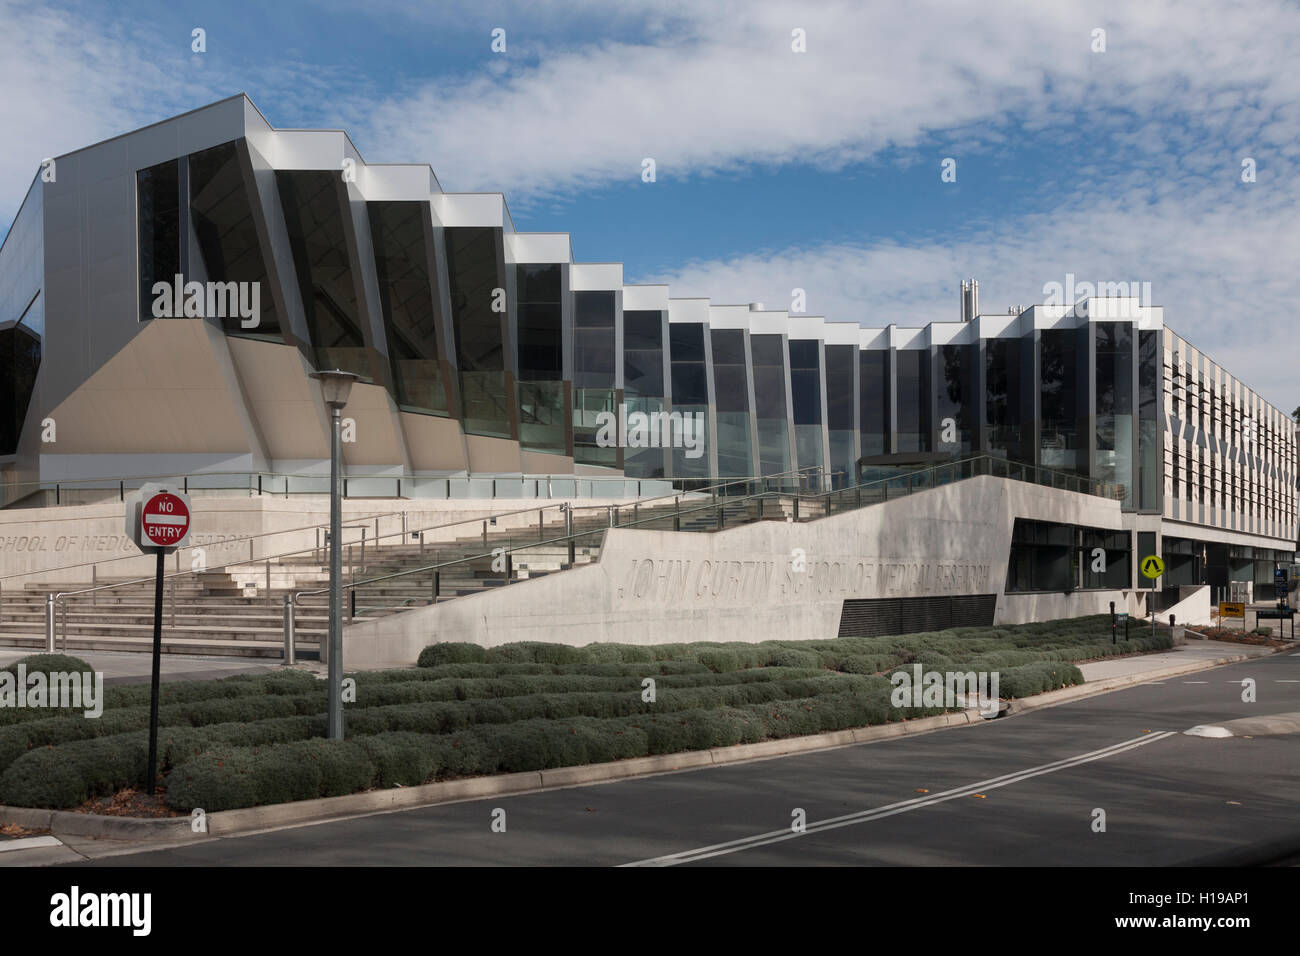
point(157, 521)
point(157, 664)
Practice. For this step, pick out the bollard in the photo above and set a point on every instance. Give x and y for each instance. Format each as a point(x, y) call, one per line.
point(49, 623)
point(288, 630)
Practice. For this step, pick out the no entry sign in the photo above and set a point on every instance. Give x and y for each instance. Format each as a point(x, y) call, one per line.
point(165, 520)
point(158, 517)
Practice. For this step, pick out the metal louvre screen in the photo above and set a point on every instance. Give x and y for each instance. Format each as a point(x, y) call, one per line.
point(874, 617)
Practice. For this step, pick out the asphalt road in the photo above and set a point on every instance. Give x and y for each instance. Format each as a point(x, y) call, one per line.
point(1006, 792)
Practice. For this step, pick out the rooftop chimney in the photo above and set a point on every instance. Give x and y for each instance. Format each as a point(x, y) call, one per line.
point(970, 299)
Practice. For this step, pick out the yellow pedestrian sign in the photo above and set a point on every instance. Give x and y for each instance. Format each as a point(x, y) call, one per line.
point(1152, 566)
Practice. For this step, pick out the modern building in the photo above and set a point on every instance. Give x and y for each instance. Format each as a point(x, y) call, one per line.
point(165, 294)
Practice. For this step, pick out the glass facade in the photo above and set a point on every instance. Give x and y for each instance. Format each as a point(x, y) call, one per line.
point(806, 397)
point(541, 385)
point(594, 395)
point(314, 201)
point(1058, 436)
point(1150, 459)
point(912, 368)
point(874, 399)
point(643, 387)
point(731, 383)
point(158, 228)
point(475, 273)
point(841, 421)
point(406, 292)
point(956, 404)
point(690, 396)
point(1007, 374)
point(20, 360)
point(221, 217)
point(1114, 408)
point(769, 358)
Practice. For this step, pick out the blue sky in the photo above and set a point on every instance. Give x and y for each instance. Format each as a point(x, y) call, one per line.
point(775, 169)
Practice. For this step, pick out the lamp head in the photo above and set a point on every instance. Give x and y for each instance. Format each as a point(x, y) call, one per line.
point(336, 386)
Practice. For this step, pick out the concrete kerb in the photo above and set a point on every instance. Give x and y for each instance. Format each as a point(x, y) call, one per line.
point(251, 819)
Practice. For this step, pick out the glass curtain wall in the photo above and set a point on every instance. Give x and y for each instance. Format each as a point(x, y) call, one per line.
point(913, 370)
point(873, 401)
point(769, 362)
point(731, 385)
point(1114, 357)
point(1149, 476)
point(806, 394)
point(313, 202)
point(840, 407)
point(1005, 375)
point(594, 397)
point(643, 389)
point(158, 225)
point(475, 273)
point(20, 360)
point(1058, 439)
point(541, 390)
point(222, 219)
point(402, 259)
point(956, 403)
point(690, 388)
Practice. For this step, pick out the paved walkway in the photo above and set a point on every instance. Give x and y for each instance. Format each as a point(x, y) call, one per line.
point(1189, 653)
point(133, 667)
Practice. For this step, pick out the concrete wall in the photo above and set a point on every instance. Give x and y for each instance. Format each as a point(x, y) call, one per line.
point(743, 584)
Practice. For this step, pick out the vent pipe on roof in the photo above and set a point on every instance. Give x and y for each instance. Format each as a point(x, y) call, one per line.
point(756, 307)
point(970, 299)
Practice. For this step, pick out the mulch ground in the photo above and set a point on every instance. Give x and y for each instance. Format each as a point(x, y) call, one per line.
point(131, 803)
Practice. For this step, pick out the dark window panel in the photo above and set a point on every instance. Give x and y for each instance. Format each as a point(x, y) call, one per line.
point(313, 212)
point(222, 217)
point(406, 295)
point(474, 272)
point(686, 342)
point(158, 221)
point(690, 385)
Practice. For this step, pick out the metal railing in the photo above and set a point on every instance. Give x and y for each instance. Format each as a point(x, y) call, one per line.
point(57, 603)
point(414, 487)
point(802, 507)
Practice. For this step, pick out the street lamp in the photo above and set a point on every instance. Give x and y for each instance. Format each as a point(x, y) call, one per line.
point(335, 387)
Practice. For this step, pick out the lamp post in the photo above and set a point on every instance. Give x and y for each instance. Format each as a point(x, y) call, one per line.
point(335, 388)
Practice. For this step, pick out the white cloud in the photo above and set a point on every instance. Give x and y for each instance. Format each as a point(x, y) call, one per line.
point(1225, 276)
point(725, 89)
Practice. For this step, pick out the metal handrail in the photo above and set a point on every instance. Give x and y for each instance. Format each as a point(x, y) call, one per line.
point(713, 506)
point(188, 547)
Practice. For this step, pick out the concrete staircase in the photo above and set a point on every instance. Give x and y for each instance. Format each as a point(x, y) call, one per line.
point(239, 610)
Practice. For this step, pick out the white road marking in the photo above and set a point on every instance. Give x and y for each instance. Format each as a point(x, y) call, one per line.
point(867, 816)
point(1204, 682)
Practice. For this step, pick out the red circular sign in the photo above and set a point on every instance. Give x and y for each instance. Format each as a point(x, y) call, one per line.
point(165, 520)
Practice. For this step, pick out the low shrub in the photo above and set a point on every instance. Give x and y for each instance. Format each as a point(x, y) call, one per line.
point(1037, 678)
point(451, 653)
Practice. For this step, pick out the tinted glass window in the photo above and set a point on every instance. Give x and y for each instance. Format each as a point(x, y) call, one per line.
point(313, 204)
point(158, 222)
point(406, 295)
point(222, 218)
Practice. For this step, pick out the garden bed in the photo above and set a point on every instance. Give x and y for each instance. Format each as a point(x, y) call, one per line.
point(465, 711)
